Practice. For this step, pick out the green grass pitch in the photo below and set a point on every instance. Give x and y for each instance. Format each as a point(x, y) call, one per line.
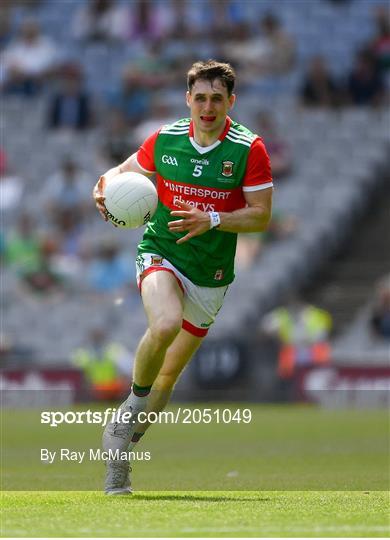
point(294, 471)
point(194, 514)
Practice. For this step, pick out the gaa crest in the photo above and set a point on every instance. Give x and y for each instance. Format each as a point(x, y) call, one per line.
point(227, 168)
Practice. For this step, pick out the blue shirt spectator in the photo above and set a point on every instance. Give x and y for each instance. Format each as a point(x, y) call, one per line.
point(110, 271)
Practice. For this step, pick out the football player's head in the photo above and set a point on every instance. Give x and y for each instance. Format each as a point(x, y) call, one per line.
point(210, 94)
point(210, 71)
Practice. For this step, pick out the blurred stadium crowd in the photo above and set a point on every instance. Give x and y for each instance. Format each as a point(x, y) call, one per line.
point(84, 82)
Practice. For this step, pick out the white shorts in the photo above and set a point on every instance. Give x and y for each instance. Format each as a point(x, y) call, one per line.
point(201, 304)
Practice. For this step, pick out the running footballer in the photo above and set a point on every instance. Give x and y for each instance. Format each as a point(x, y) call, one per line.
point(213, 181)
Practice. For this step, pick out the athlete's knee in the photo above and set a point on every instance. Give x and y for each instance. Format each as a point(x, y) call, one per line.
point(165, 330)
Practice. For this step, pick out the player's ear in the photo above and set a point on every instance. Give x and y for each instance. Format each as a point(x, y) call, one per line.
point(188, 97)
point(232, 100)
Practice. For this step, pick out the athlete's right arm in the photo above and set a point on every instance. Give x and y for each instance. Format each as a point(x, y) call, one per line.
point(130, 165)
point(140, 162)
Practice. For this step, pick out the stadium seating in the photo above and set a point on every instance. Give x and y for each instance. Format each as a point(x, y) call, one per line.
point(337, 158)
point(358, 345)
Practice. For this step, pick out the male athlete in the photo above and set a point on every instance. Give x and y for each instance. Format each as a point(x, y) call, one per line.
point(213, 181)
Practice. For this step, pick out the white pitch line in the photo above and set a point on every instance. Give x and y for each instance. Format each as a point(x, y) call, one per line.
point(319, 528)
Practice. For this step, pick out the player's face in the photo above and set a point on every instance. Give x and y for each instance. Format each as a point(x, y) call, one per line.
point(209, 103)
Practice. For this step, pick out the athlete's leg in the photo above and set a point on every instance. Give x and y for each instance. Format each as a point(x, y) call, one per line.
point(176, 358)
point(163, 303)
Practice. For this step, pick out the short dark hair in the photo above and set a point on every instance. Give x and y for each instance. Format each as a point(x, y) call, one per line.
point(211, 70)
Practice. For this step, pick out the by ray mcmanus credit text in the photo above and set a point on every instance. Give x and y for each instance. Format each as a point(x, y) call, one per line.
point(94, 454)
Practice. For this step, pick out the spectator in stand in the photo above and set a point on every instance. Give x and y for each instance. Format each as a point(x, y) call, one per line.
point(133, 99)
point(271, 53)
point(68, 229)
point(160, 114)
point(319, 88)
point(380, 319)
point(28, 61)
point(22, 246)
point(11, 188)
point(152, 67)
point(279, 47)
point(243, 50)
point(302, 332)
point(44, 278)
point(32, 257)
point(106, 365)
point(117, 142)
point(365, 84)
point(279, 150)
point(70, 106)
point(100, 21)
point(184, 20)
point(250, 245)
point(249, 248)
point(224, 18)
point(110, 270)
point(380, 45)
point(282, 226)
point(151, 21)
point(5, 23)
point(68, 259)
point(68, 188)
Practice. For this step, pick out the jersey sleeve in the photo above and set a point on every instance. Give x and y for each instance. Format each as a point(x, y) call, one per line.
point(258, 168)
point(145, 154)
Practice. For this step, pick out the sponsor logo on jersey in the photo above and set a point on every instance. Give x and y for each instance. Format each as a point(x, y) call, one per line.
point(202, 192)
point(204, 206)
point(139, 261)
point(200, 161)
point(169, 160)
point(207, 199)
point(218, 275)
point(156, 260)
point(227, 168)
point(146, 218)
point(206, 325)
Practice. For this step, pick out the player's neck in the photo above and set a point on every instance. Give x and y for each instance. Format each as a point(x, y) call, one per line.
point(207, 138)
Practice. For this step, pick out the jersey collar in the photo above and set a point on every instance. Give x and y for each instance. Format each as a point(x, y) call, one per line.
point(204, 149)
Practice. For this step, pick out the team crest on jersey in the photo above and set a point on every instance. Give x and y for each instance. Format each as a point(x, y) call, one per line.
point(156, 260)
point(218, 275)
point(227, 168)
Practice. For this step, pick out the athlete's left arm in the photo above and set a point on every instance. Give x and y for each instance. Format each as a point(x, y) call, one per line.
point(254, 218)
point(257, 191)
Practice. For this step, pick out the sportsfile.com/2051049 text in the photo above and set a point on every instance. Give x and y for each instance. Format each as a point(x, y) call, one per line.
point(182, 415)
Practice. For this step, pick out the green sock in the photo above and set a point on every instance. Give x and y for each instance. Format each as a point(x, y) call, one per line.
point(140, 391)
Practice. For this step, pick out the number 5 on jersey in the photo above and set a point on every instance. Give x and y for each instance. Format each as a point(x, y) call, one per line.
point(197, 170)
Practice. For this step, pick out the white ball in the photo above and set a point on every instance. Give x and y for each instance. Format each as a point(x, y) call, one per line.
point(131, 200)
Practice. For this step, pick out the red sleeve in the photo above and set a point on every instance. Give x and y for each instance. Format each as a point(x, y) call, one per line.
point(258, 168)
point(145, 154)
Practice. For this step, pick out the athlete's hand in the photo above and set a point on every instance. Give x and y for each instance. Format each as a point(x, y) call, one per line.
point(193, 220)
point(97, 193)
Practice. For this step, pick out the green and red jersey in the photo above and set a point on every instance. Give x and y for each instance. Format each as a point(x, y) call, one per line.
point(212, 178)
